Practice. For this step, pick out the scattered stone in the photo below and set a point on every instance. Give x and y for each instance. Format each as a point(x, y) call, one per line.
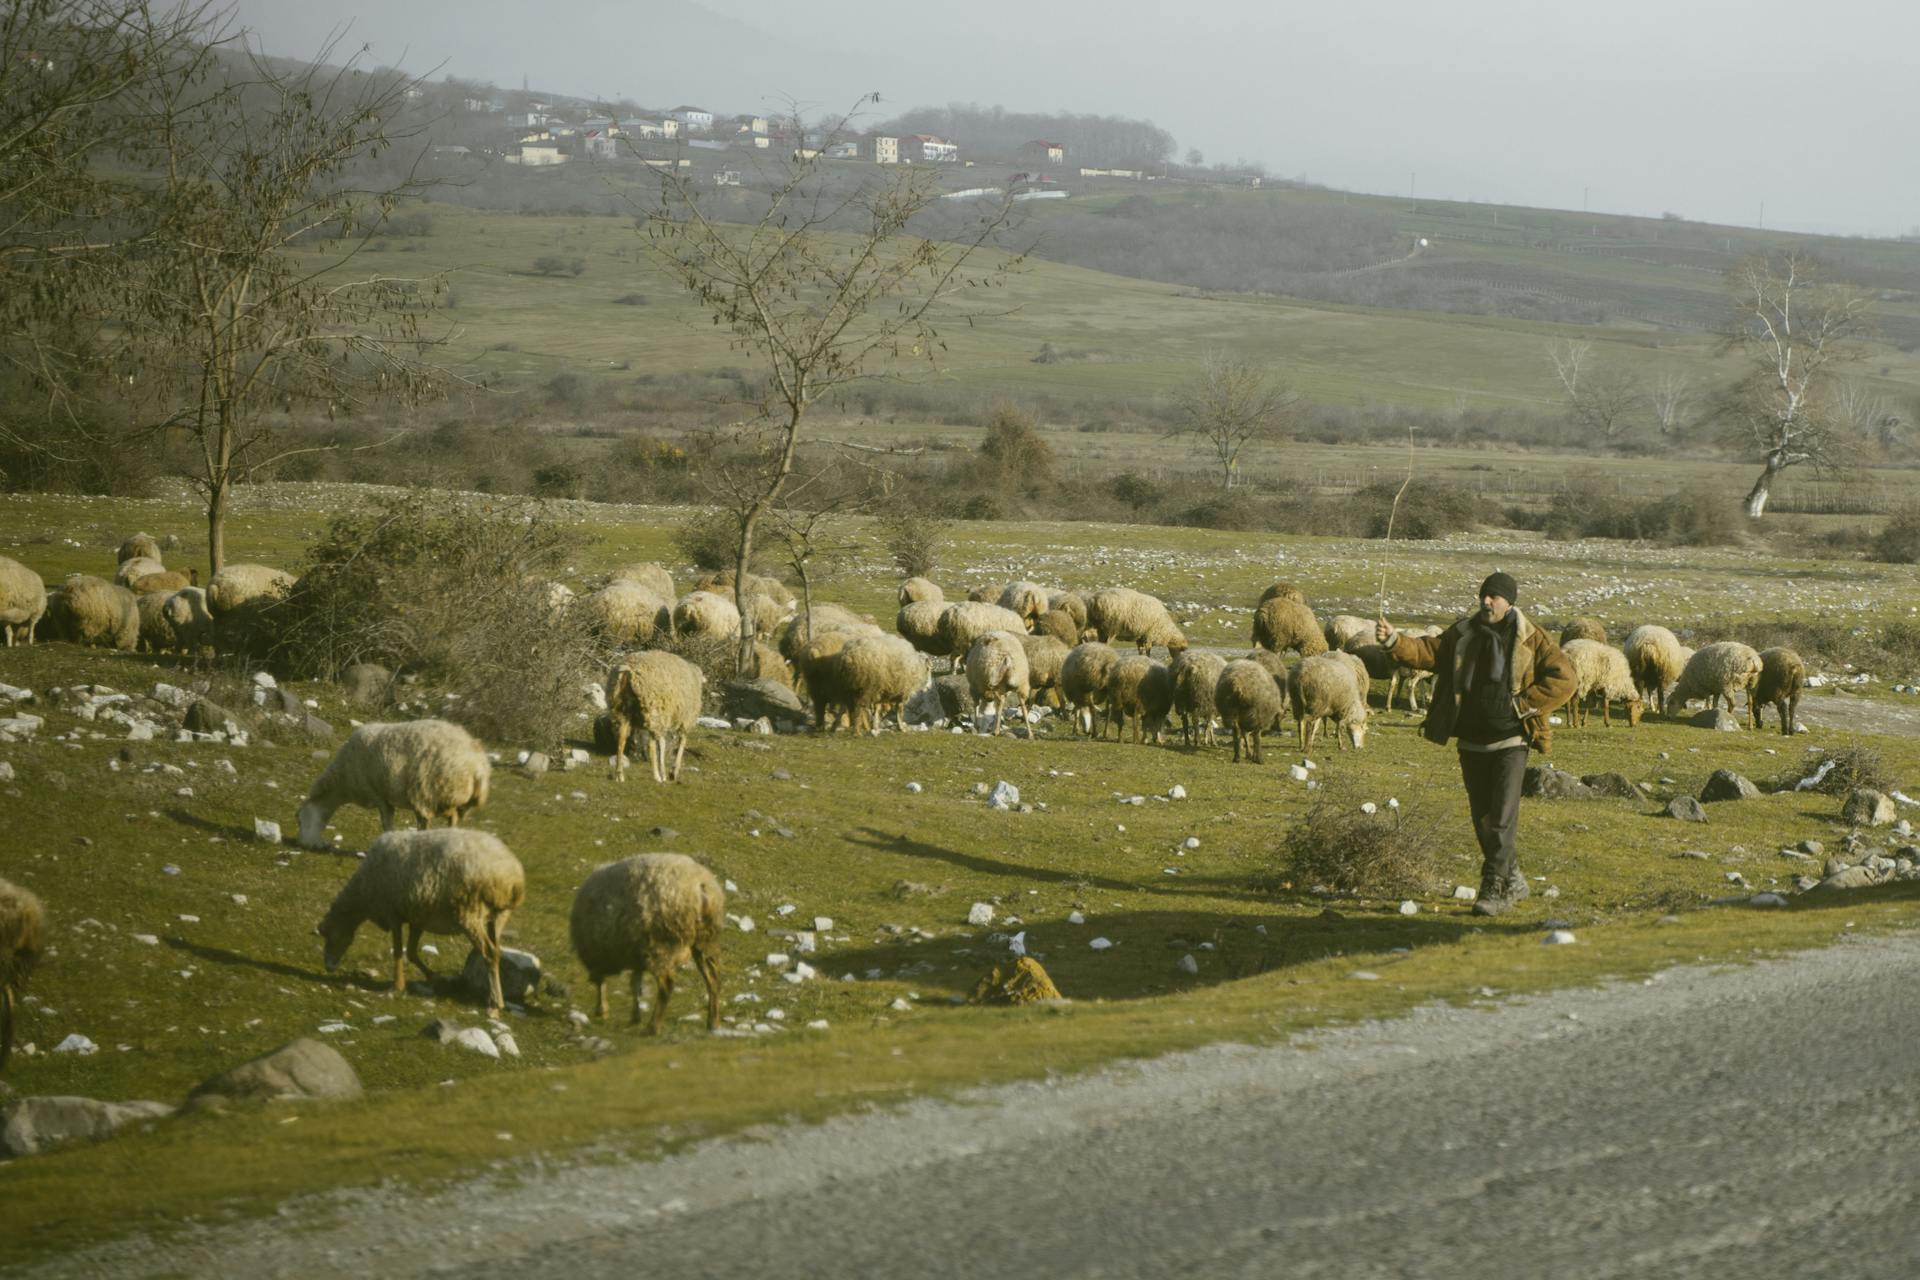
point(1767, 900)
point(312, 726)
point(1101, 944)
point(519, 975)
point(1187, 964)
point(366, 683)
point(755, 700)
point(1549, 783)
point(265, 831)
point(1616, 785)
point(32, 1125)
point(1725, 784)
point(1686, 809)
point(1025, 983)
point(1364, 975)
point(475, 1039)
point(1004, 796)
point(6, 771)
point(900, 1004)
point(19, 728)
point(1190, 843)
point(1176, 792)
point(536, 763)
point(77, 1043)
point(914, 788)
point(1813, 847)
point(1409, 908)
point(980, 913)
point(1859, 877)
point(209, 717)
point(1298, 772)
point(1559, 938)
point(1074, 917)
point(301, 1069)
point(1715, 718)
point(1866, 807)
point(1465, 893)
point(504, 1041)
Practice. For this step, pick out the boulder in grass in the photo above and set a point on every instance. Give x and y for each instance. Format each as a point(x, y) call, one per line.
point(1725, 784)
point(366, 683)
point(1866, 807)
point(1616, 785)
point(1549, 783)
point(209, 717)
point(519, 975)
point(1686, 808)
point(767, 700)
point(301, 1069)
point(1715, 718)
point(29, 1126)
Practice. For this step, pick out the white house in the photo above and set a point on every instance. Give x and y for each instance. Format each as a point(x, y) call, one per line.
point(537, 155)
point(931, 147)
point(886, 150)
point(694, 118)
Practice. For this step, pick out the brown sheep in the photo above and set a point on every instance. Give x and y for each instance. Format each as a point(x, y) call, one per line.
point(1281, 624)
point(1782, 676)
point(23, 932)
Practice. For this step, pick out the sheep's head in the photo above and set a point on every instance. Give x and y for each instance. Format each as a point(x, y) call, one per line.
point(313, 825)
point(1356, 733)
point(1634, 709)
point(336, 935)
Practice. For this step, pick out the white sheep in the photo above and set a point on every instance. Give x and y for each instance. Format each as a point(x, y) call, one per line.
point(1280, 624)
point(705, 613)
point(1028, 599)
point(766, 612)
point(415, 882)
point(1195, 676)
point(1250, 700)
point(1715, 674)
point(1325, 687)
point(23, 600)
point(92, 611)
point(1599, 668)
point(721, 583)
point(23, 936)
point(649, 574)
point(175, 620)
point(1141, 690)
point(918, 623)
point(873, 674)
point(965, 621)
point(1656, 657)
point(1344, 627)
point(1045, 656)
point(139, 567)
point(432, 768)
point(1583, 629)
point(1074, 605)
point(997, 674)
point(1083, 683)
point(137, 545)
point(921, 591)
point(649, 914)
point(1121, 613)
point(657, 693)
point(625, 612)
point(1059, 624)
point(239, 585)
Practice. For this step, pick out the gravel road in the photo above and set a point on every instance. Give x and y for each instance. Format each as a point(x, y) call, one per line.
point(1756, 1122)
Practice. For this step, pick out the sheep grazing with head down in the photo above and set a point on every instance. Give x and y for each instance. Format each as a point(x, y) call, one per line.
point(1121, 613)
point(1083, 683)
point(651, 575)
point(705, 613)
point(1074, 605)
point(920, 591)
point(171, 580)
point(431, 768)
point(872, 675)
point(1656, 658)
point(649, 914)
point(1583, 629)
point(1715, 674)
point(1251, 701)
point(1281, 624)
point(92, 611)
point(1343, 629)
point(918, 623)
point(1324, 687)
point(23, 600)
point(1141, 690)
point(23, 936)
point(1600, 670)
point(237, 586)
point(175, 620)
point(1028, 599)
point(137, 546)
point(997, 675)
point(415, 882)
point(1282, 591)
point(657, 694)
point(721, 583)
point(965, 621)
point(1782, 676)
point(625, 612)
point(131, 571)
point(1059, 624)
point(1045, 657)
point(1194, 675)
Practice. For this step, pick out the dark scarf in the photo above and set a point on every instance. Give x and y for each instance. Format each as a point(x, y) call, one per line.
point(1488, 647)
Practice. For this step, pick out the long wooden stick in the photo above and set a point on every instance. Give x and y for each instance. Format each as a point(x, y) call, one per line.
point(1391, 514)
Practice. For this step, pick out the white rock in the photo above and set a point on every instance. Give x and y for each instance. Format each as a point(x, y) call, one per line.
point(980, 913)
point(264, 680)
point(1004, 796)
point(713, 722)
point(801, 972)
point(504, 1041)
point(914, 788)
point(1101, 944)
point(77, 1043)
point(900, 1004)
point(1187, 964)
point(1369, 808)
point(330, 1028)
point(1176, 792)
point(822, 924)
point(818, 1024)
point(578, 755)
point(803, 942)
point(1364, 975)
point(743, 923)
point(8, 693)
point(1559, 938)
point(146, 938)
point(787, 909)
point(239, 899)
point(1298, 772)
point(1409, 908)
point(1191, 842)
point(778, 959)
point(476, 1039)
point(266, 831)
point(1767, 900)
point(1074, 917)
point(1465, 893)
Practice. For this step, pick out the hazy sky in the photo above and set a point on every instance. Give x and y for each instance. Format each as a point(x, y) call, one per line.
point(1711, 108)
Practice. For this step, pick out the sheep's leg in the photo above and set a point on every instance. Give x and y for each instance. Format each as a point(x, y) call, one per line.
point(1254, 754)
point(653, 756)
point(679, 754)
point(600, 995)
point(413, 949)
point(663, 992)
point(482, 938)
point(399, 960)
point(386, 817)
point(6, 990)
point(1790, 719)
point(636, 988)
point(710, 974)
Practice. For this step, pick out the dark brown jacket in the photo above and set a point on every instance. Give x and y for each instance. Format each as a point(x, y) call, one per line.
point(1542, 678)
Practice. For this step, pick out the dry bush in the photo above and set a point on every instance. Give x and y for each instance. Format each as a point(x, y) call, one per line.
point(453, 595)
point(1388, 854)
point(1854, 767)
point(913, 534)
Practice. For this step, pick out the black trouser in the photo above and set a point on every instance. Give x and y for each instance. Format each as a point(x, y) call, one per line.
point(1493, 795)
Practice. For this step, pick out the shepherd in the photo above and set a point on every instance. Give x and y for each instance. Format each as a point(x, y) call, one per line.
point(1497, 679)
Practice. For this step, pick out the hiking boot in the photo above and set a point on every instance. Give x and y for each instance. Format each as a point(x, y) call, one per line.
point(1491, 905)
point(1515, 888)
point(1499, 893)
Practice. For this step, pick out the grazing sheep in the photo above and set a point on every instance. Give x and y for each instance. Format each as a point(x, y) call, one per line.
point(1083, 683)
point(1250, 702)
point(1583, 629)
point(721, 583)
point(1282, 591)
point(918, 623)
point(415, 882)
point(1045, 656)
point(171, 580)
point(997, 674)
point(23, 600)
point(1324, 687)
point(1782, 676)
point(875, 674)
point(625, 613)
point(1599, 668)
point(92, 611)
point(1028, 599)
point(798, 632)
point(1059, 624)
point(966, 621)
point(239, 585)
point(1344, 628)
point(657, 693)
point(705, 613)
point(433, 768)
point(23, 933)
point(1656, 657)
point(1281, 624)
point(1121, 613)
point(921, 591)
point(649, 574)
point(1074, 605)
point(769, 665)
point(1715, 674)
point(767, 613)
point(175, 620)
point(1194, 676)
point(137, 546)
point(816, 678)
point(1273, 663)
point(1140, 689)
point(649, 914)
point(136, 568)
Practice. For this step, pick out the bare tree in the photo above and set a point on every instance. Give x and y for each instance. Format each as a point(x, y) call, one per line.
point(1232, 404)
point(1568, 356)
point(1794, 328)
point(813, 524)
point(228, 313)
point(819, 304)
point(1669, 397)
point(1867, 414)
point(1605, 403)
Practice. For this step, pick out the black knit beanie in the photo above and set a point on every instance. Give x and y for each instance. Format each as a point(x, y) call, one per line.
point(1502, 585)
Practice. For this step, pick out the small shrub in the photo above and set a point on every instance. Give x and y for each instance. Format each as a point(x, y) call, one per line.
point(711, 540)
point(549, 264)
point(559, 480)
point(1134, 489)
point(913, 536)
point(982, 506)
point(1387, 854)
point(1015, 453)
point(1854, 767)
point(1426, 510)
point(1899, 542)
point(1699, 517)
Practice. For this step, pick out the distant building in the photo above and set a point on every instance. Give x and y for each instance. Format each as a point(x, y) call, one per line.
point(727, 178)
point(843, 151)
point(1039, 149)
point(931, 148)
point(751, 124)
point(537, 155)
point(668, 128)
point(696, 119)
point(886, 150)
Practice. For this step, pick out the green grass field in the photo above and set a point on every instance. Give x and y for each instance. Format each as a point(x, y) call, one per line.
point(828, 827)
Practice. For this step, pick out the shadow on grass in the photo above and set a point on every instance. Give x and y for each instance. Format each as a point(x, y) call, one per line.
point(199, 822)
point(873, 838)
point(222, 956)
point(1854, 899)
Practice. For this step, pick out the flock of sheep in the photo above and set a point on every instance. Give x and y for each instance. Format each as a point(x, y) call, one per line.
point(649, 914)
